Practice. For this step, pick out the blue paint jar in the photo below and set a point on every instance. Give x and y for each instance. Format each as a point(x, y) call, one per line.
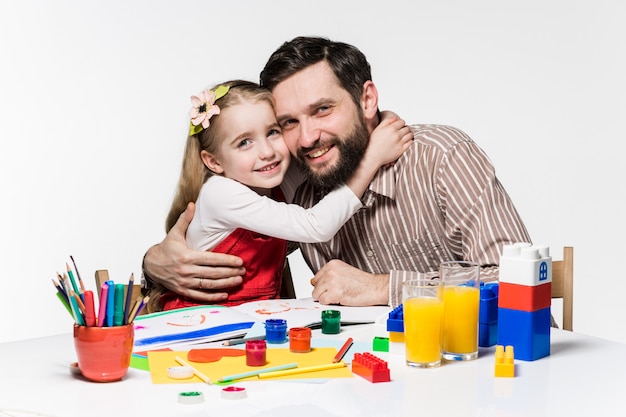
point(276, 331)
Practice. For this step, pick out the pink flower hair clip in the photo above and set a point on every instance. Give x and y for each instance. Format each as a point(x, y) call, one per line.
point(204, 108)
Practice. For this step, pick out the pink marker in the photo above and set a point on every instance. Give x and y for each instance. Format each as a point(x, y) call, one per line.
point(104, 291)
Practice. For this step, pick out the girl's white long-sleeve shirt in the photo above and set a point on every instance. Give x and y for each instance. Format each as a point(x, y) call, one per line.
point(225, 205)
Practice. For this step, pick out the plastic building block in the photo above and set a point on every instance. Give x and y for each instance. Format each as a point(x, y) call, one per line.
point(527, 331)
point(380, 344)
point(525, 264)
point(524, 300)
point(488, 312)
point(395, 321)
point(488, 315)
point(396, 337)
point(487, 334)
point(505, 366)
point(370, 367)
point(525, 297)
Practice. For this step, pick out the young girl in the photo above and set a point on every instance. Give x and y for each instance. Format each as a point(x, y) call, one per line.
point(236, 167)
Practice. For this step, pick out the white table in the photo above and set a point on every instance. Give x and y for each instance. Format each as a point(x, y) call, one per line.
point(583, 376)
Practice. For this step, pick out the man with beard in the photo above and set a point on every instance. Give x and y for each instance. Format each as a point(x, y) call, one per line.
point(441, 202)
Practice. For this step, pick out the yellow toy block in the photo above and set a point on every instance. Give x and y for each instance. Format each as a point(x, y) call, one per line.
point(505, 366)
point(396, 337)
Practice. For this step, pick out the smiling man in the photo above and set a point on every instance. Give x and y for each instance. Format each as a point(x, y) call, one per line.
point(441, 201)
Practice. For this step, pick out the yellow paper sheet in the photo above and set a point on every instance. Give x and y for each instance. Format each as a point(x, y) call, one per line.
point(160, 361)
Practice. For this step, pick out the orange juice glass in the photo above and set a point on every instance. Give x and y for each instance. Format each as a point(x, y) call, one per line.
point(461, 297)
point(423, 322)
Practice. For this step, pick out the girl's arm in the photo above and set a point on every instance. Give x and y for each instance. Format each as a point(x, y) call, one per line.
point(225, 204)
point(387, 142)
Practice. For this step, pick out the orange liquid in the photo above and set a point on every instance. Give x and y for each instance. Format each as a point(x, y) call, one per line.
point(460, 319)
point(423, 329)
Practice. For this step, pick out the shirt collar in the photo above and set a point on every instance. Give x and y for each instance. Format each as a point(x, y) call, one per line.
point(384, 182)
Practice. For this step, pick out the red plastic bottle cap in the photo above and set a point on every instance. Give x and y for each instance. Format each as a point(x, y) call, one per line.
point(234, 393)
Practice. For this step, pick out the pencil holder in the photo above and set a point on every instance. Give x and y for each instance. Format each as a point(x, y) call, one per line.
point(256, 353)
point(300, 340)
point(331, 321)
point(104, 353)
point(276, 331)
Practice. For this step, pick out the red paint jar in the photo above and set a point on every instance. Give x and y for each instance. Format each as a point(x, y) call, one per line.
point(256, 352)
point(300, 340)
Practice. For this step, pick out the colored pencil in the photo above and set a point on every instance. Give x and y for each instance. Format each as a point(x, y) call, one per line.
point(80, 281)
point(78, 316)
point(71, 275)
point(258, 372)
point(65, 302)
point(131, 315)
point(342, 352)
point(142, 303)
point(240, 341)
point(81, 305)
point(129, 296)
point(60, 289)
point(196, 372)
point(303, 370)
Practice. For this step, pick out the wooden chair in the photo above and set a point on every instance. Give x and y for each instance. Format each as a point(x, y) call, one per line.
point(563, 284)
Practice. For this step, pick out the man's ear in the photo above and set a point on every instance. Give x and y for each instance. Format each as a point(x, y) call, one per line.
point(369, 102)
point(211, 162)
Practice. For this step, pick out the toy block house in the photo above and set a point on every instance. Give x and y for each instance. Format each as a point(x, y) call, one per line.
point(524, 300)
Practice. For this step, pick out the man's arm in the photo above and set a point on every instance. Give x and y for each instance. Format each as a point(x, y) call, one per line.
point(195, 274)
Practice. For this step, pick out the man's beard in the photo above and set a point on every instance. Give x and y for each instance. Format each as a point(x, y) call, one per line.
point(351, 150)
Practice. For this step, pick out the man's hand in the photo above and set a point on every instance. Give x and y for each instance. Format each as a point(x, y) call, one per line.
point(195, 274)
point(340, 283)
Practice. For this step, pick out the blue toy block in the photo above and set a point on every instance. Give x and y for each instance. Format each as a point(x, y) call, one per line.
point(487, 334)
point(488, 315)
point(528, 332)
point(488, 311)
point(395, 321)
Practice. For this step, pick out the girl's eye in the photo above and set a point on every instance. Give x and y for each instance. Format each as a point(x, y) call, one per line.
point(244, 143)
point(273, 132)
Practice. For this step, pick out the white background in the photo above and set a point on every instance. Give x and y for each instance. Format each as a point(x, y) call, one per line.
point(94, 98)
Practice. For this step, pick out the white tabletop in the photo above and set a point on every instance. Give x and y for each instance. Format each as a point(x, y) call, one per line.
point(583, 376)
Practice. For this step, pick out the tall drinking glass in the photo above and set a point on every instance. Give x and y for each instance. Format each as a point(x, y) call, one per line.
point(423, 322)
point(461, 297)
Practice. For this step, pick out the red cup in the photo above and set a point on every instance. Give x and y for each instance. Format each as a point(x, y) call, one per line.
point(104, 352)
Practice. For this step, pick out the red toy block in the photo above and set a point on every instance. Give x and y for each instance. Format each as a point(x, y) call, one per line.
point(370, 367)
point(525, 297)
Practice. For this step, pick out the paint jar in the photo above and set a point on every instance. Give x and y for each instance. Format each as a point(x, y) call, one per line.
point(104, 352)
point(255, 352)
point(276, 331)
point(300, 340)
point(331, 321)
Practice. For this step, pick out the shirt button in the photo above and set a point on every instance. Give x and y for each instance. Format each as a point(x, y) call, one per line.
point(369, 253)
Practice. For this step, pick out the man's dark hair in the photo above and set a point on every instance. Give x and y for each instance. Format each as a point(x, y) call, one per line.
point(348, 63)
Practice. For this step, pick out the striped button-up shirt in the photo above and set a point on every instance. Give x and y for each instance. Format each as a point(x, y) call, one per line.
point(440, 201)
